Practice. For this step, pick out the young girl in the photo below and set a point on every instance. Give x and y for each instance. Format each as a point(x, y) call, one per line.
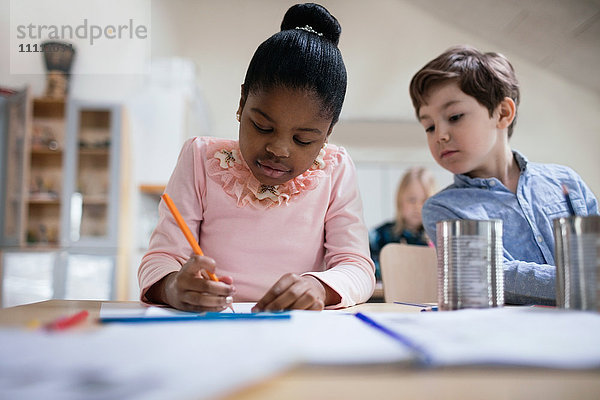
point(416, 186)
point(278, 212)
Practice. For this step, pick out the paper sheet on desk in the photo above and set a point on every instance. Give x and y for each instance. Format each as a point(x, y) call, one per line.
point(548, 338)
point(334, 338)
point(324, 338)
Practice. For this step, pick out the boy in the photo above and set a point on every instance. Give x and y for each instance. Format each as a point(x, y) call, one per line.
point(467, 102)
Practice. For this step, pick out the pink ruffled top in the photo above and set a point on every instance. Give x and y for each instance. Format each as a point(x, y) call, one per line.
point(310, 225)
point(228, 168)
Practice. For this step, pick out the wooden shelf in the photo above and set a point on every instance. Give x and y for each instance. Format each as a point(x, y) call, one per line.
point(94, 152)
point(43, 199)
point(154, 190)
point(95, 200)
point(45, 151)
point(50, 100)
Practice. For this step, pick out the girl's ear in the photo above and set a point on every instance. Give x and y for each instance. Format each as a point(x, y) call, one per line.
point(507, 110)
point(243, 96)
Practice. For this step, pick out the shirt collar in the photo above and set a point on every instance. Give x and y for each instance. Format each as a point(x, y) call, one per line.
point(462, 180)
point(521, 160)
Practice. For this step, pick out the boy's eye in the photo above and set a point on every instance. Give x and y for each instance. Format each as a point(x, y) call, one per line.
point(261, 129)
point(301, 142)
point(456, 117)
point(429, 129)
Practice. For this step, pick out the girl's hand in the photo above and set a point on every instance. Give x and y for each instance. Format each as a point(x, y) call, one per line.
point(294, 292)
point(191, 289)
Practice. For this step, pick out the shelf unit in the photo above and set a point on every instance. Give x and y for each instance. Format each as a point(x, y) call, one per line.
point(61, 198)
point(67, 187)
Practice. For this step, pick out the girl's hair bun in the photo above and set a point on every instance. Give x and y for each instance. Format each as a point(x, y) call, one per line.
point(316, 17)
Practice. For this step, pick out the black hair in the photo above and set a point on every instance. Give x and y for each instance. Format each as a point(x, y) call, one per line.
point(303, 55)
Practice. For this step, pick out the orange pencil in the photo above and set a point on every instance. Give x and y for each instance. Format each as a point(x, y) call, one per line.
point(187, 233)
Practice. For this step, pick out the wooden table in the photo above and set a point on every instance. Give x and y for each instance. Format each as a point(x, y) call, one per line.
point(369, 382)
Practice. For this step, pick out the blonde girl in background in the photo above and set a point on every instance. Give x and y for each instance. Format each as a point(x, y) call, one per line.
point(416, 186)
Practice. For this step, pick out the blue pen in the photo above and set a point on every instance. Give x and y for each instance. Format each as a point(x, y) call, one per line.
point(422, 355)
point(433, 308)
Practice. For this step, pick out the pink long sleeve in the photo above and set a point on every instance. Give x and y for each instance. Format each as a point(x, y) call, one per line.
point(168, 249)
point(319, 231)
point(350, 271)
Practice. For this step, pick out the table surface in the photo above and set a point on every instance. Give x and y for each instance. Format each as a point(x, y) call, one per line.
point(377, 382)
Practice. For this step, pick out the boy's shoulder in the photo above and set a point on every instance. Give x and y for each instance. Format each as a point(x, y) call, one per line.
point(537, 175)
point(555, 171)
point(452, 192)
point(537, 169)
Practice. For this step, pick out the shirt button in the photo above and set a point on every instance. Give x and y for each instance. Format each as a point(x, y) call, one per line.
point(492, 183)
point(540, 239)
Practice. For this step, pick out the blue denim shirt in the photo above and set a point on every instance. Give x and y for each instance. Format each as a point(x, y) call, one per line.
point(529, 272)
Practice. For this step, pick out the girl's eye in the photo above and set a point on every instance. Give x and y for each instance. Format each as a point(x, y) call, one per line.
point(456, 117)
point(429, 129)
point(301, 142)
point(260, 129)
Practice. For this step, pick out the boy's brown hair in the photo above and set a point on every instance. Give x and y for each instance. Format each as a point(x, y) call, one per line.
point(488, 77)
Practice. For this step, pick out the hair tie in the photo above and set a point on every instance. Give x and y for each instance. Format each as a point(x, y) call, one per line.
point(309, 28)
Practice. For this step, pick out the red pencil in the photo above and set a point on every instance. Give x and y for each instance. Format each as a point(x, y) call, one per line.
point(67, 322)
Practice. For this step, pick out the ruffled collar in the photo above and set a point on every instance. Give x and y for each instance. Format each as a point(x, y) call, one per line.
point(226, 166)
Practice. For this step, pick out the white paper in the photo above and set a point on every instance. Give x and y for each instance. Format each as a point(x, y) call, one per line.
point(502, 336)
point(333, 338)
point(327, 337)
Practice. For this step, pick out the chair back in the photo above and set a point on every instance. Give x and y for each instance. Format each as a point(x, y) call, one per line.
point(409, 273)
